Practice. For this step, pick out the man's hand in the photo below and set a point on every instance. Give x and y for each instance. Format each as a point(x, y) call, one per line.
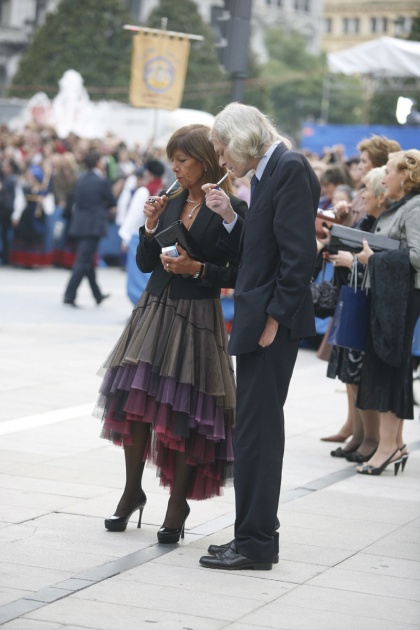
point(269, 332)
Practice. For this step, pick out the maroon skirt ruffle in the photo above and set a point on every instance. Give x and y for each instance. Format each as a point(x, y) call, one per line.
point(170, 369)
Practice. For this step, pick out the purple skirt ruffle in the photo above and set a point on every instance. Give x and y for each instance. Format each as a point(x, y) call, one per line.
point(170, 369)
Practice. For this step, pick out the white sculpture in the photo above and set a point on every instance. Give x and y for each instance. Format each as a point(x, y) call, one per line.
point(72, 108)
point(73, 111)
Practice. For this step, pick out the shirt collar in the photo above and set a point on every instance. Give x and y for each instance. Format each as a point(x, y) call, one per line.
point(264, 160)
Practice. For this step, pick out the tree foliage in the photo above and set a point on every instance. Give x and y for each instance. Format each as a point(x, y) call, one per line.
point(208, 86)
point(301, 88)
point(83, 35)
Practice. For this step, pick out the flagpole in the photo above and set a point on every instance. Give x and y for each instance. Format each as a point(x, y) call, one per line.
point(157, 31)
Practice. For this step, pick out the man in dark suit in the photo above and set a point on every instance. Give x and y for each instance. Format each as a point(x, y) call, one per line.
point(273, 311)
point(92, 204)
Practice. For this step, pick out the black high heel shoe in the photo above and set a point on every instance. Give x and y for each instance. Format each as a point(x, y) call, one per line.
point(170, 535)
point(404, 457)
point(119, 523)
point(367, 469)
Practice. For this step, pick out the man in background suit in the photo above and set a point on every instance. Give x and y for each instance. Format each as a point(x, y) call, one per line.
point(273, 310)
point(93, 200)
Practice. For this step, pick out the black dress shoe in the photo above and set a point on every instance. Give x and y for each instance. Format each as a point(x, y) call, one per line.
point(358, 458)
point(232, 561)
point(213, 550)
point(341, 452)
point(101, 298)
point(70, 303)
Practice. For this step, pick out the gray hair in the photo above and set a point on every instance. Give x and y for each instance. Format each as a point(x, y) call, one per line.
point(375, 178)
point(244, 131)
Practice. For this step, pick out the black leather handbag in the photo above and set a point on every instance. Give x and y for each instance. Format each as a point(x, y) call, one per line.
point(351, 240)
point(177, 233)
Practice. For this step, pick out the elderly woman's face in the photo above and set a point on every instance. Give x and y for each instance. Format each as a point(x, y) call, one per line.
point(370, 199)
point(392, 181)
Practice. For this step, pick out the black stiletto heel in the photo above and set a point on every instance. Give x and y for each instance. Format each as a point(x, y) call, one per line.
point(404, 457)
point(119, 523)
point(368, 469)
point(170, 535)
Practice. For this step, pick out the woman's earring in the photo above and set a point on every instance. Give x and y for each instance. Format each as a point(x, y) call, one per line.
point(402, 184)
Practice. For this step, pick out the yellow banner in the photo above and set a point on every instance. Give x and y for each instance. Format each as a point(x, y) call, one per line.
point(158, 68)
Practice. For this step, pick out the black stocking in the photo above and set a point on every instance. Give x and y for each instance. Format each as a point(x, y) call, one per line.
point(175, 513)
point(134, 466)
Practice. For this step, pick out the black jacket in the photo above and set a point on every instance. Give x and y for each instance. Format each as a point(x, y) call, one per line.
point(221, 268)
point(92, 199)
point(277, 252)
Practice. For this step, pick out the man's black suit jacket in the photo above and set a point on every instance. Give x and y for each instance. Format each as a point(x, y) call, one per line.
point(221, 266)
point(277, 248)
point(93, 197)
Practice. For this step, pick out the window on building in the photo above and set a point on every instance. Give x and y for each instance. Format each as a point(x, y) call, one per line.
point(351, 25)
point(303, 5)
point(402, 25)
point(5, 12)
point(40, 11)
point(134, 8)
point(327, 27)
point(378, 24)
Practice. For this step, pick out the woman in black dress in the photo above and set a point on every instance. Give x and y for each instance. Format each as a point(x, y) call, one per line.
point(386, 382)
point(168, 394)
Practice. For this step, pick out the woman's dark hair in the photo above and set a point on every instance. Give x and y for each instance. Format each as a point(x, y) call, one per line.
point(193, 140)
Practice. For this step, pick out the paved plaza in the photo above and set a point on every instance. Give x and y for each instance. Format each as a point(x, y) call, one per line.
point(349, 544)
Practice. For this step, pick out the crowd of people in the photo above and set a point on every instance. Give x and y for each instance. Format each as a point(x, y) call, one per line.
point(168, 393)
point(38, 176)
point(379, 378)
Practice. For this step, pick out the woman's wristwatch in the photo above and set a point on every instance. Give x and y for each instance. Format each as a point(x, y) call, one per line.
point(200, 272)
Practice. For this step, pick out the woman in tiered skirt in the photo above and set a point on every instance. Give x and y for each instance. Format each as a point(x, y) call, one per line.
point(168, 393)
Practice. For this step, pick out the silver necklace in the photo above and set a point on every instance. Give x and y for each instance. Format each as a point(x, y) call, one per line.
point(194, 208)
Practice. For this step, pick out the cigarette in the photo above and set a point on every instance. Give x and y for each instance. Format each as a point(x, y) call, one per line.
point(223, 178)
point(171, 186)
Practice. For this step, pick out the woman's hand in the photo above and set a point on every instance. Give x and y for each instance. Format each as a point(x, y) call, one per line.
point(342, 259)
point(365, 254)
point(218, 201)
point(324, 241)
point(153, 208)
point(181, 264)
point(342, 209)
point(269, 332)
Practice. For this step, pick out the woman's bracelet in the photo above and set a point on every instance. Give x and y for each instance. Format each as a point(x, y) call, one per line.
point(153, 230)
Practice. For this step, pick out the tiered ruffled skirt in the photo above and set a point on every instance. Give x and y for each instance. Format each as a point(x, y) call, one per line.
point(170, 369)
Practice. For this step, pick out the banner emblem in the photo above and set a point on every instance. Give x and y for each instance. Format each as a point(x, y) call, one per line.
point(158, 69)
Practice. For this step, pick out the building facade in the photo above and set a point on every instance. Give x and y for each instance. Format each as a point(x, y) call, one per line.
point(19, 19)
point(347, 24)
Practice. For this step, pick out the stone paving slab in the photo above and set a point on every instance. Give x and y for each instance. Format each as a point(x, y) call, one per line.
point(349, 545)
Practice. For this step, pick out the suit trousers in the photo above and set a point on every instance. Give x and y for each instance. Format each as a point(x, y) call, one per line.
point(263, 378)
point(84, 265)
